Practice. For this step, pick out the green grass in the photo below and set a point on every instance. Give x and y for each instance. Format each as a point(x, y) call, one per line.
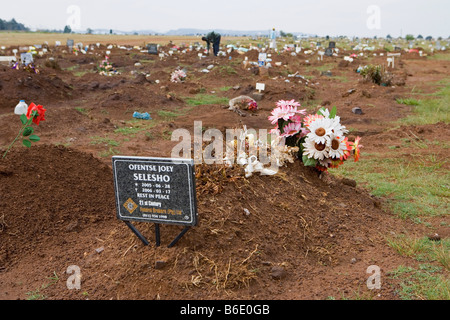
point(136, 126)
point(225, 89)
point(105, 141)
point(440, 56)
point(408, 102)
point(83, 111)
point(81, 73)
point(205, 99)
point(422, 249)
point(431, 110)
point(168, 115)
point(36, 294)
point(414, 187)
point(110, 145)
point(424, 283)
point(229, 70)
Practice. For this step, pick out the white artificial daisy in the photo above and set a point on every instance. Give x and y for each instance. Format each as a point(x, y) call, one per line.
point(320, 130)
point(337, 147)
point(338, 128)
point(325, 112)
point(316, 150)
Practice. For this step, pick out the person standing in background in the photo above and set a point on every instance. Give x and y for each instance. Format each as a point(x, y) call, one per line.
point(214, 39)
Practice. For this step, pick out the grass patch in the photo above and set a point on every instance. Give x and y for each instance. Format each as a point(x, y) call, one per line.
point(424, 283)
point(440, 56)
point(408, 102)
point(422, 249)
point(225, 89)
point(36, 294)
point(414, 187)
point(227, 70)
point(432, 110)
point(205, 99)
point(136, 126)
point(81, 73)
point(110, 145)
point(83, 111)
point(105, 141)
point(168, 115)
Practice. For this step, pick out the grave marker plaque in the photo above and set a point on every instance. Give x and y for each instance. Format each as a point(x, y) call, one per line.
point(70, 43)
point(152, 48)
point(329, 52)
point(26, 58)
point(155, 190)
point(332, 44)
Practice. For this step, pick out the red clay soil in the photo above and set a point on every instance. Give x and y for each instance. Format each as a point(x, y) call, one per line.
point(296, 235)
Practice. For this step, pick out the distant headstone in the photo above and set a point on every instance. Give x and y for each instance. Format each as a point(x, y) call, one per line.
point(26, 58)
point(262, 57)
point(438, 45)
point(397, 48)
point(329, 52)
point(332, 44)
point(70, 43)
point(318, 44)
point(152, 48)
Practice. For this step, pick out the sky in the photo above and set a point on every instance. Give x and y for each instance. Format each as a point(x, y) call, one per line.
point(362, 18)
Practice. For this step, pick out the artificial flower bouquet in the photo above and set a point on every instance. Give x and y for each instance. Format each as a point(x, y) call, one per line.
point(320, 137)
point(106, 68)
point(178, 76)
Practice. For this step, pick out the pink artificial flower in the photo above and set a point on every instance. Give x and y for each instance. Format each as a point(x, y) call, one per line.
point(311, 118)
point(291, 129)
point(285, 110)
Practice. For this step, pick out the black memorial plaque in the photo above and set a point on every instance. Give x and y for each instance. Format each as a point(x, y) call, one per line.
point(328, 52)
point(157, 190)
point(332, 44)
point(152, 48)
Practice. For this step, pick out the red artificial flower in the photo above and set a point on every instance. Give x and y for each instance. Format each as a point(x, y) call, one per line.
point(40, 113)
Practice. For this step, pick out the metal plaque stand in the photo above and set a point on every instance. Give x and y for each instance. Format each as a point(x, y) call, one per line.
point(157, 235)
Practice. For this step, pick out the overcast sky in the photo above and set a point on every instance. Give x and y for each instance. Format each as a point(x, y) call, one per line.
point(327, 17)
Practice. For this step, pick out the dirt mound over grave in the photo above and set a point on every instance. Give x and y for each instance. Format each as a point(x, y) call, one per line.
point(55, 198)
point(18, 85)
point(48, 191)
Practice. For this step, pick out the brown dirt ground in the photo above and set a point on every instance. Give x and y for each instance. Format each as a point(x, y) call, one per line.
point(57, 198)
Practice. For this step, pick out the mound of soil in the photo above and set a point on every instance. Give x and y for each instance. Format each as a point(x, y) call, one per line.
point(54, 199)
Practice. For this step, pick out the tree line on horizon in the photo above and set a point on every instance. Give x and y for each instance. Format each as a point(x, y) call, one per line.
point(12, 25)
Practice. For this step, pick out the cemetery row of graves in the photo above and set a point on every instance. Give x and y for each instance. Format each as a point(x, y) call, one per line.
point(234, 229)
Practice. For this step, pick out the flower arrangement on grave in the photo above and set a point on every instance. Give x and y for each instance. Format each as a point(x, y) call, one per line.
point(35, 114)
point(106, 68)
point(320, 137)
point(272, 154)
point(178, 76)
point(29, 68)
point(252, 106)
